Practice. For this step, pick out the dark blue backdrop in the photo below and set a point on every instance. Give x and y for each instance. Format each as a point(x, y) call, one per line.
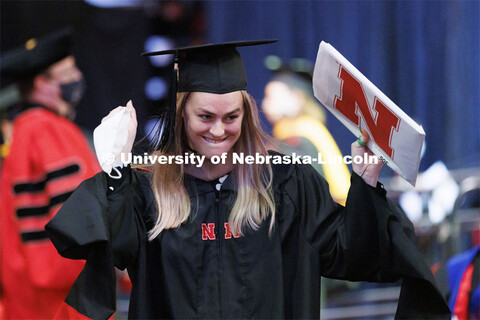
point(424, 55)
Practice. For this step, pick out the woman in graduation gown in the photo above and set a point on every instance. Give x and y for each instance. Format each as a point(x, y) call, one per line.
point(230, 240)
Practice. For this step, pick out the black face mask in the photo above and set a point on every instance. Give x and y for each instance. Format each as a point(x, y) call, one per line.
point(72, 92)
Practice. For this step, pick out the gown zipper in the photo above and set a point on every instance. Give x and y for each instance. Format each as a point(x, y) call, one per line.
point(220, 233)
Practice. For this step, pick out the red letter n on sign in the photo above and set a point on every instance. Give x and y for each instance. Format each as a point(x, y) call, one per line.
point(208, 232)
point(352, 97)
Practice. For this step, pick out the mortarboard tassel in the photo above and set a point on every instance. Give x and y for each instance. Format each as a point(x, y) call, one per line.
point(167, 139)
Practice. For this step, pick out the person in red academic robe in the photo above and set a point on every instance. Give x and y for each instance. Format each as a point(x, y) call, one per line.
point(48, 158)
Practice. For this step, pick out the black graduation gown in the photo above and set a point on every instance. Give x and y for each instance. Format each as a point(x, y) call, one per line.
point(187, 273)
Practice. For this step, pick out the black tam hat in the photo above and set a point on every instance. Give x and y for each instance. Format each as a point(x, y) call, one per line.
point(213, 68)
point(35, 56)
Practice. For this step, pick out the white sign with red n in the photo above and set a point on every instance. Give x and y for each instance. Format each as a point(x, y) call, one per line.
point(394, 137)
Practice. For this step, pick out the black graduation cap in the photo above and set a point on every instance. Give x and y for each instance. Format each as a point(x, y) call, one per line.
point(36, 55)
point(214, 68)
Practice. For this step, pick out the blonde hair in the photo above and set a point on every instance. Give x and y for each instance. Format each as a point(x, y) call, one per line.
point(255, 199)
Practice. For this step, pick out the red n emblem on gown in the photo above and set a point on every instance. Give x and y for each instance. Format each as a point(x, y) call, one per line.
point(208, 231)
point(228, 232)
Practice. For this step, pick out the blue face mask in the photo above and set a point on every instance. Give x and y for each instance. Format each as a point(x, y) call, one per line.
point(72, 92)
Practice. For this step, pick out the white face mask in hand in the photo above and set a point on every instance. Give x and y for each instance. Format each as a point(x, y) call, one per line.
point(111, 138)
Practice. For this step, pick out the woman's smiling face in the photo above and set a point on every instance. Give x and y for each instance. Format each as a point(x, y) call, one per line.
point(213, 122)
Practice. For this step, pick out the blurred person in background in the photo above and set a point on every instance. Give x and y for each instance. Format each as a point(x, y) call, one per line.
point(9, 97)
point(463, 284)
point(298, 121)
point(48, 157)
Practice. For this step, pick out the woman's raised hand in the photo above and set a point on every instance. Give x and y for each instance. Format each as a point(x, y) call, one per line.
point(370, 170)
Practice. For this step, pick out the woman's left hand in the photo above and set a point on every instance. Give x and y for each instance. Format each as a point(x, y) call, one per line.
point(368, 171)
